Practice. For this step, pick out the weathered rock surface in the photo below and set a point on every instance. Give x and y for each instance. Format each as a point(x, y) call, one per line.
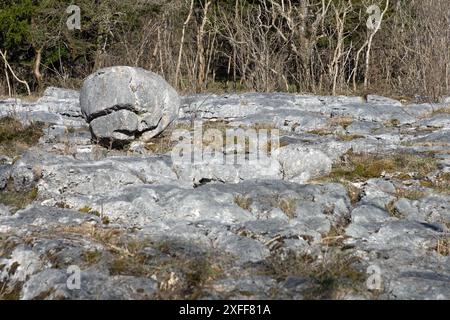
point(5, 174)
point(123, 102)
point(300, 164)
point(56, 107)
point(139, 225)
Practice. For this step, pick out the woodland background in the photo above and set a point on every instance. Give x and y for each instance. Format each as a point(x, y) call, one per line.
point(307, 46)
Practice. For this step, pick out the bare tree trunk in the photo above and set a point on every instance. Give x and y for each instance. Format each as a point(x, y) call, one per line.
point(334, 67)
point(201, 48)
point(37, 65)
point(7, 65)
point(7, 79)
point(183, 33)
point(369, 46)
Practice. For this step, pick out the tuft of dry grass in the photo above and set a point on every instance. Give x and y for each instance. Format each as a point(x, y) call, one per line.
point(442, 183)
point(443, 110)
point(354, 168)
point(243, 201)
point(335, 237)
point(186, 278)
point(18, 199)
point(411, 194)
point(16, 138)
point(392, 123)
point(349, 137)
point(89, 210)
point(443, 246)
point(341, 121)
point(366, 166)
point(163, 143)
point(10, 293)
point(390, 208)
point(331, 277)
point(180, 275)
point(92, 257)
point(288, 205)
point(320, 132)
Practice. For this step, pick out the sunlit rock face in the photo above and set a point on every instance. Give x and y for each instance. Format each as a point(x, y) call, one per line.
point(124, 103)
point(356, 192)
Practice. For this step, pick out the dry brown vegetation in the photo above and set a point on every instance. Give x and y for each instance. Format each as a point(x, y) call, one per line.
point(15, 138)
point(17, 200)
point(243, 201)
point(332, 277)
point(443, 246)
point(164, 142)
point(440, 184)
point(269, 45)
point(180, 275)
point(355, 167)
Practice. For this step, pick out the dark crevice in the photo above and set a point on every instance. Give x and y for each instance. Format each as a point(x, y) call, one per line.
point(110, 143)
point(204, 181)
point(127, 132)
point(107, 111)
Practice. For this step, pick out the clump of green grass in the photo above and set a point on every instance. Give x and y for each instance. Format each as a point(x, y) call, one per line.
point(18, 199)
point(366, 166)
point(16, 138)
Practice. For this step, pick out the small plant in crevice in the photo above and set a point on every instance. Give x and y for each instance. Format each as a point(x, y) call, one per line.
point(442, 246)
point(244, 202)
point(17, 200)
point(92, 257)
point(288, 205)
point(392, 210)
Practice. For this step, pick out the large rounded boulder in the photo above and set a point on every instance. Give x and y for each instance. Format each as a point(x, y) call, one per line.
point(125, 103)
